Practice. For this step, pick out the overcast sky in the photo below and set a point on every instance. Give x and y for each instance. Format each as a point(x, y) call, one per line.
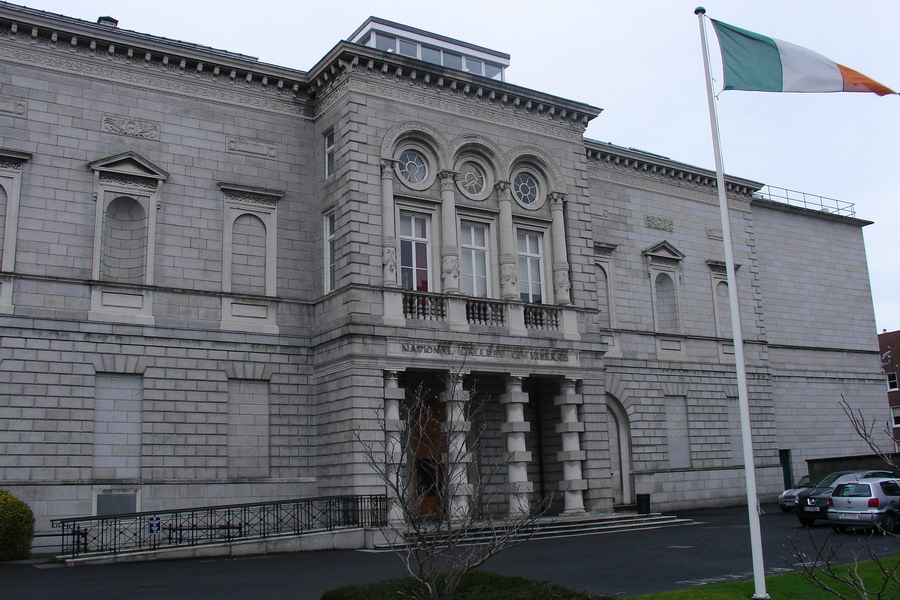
point(641, 62)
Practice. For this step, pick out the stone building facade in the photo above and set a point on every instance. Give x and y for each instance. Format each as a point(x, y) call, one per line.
point(217, 275)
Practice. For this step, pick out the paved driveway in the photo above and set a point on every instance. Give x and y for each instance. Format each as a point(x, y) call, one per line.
point(621, 564)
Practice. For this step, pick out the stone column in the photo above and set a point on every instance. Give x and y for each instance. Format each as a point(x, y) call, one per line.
point(393, 449)
point(514, 429)
point(456, 429)
point(449, 241)
point(388, 227)
point(508, 270)
point(572, 455)
point(561, 283)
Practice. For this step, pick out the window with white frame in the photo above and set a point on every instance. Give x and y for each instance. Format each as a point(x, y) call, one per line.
point(529, 248)
point(330, 269)
point(474, 270)
point(895, 412)
point(892, 382)
point(329, 153)
point(415, 252)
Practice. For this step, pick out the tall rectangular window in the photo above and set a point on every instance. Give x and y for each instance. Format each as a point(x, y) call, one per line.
point(892, 382)
point(531, 266)
point(329, 153)
point(474, 258)
point(329, 253)
point(414, 252)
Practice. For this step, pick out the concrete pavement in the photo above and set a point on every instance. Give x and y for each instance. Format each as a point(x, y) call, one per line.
point(621, 564)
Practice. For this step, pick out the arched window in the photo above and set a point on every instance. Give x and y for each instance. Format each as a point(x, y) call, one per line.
point(723, 310)
point(4, 202)
point(666, 304)
point(127, 189)
point(248, 255)
point(603, 300)
point(123, 257)
point(249, 258)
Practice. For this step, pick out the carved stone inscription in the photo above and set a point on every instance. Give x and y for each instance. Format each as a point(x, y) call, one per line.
point(485, 351)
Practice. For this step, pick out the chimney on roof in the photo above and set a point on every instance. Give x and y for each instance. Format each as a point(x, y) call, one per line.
point(108, 21)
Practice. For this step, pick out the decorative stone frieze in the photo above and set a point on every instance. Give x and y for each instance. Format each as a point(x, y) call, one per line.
point(132, 127)
point(129, 181)
point(13, 108)
point(163, 75)
point(660, 223)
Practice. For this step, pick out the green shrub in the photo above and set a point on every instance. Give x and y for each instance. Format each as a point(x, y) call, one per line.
point(477, 585)
point(16, 527)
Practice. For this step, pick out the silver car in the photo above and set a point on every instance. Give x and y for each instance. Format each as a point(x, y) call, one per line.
point(787, 500)
point(812, 503)
point(865, 503)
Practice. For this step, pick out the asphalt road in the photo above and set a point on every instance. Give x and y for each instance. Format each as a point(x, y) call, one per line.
point(625, 564)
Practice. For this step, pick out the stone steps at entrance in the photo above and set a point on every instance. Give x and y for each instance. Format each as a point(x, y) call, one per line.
point(565, 526)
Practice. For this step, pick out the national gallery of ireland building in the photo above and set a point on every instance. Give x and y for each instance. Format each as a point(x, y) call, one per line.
point(219, 275)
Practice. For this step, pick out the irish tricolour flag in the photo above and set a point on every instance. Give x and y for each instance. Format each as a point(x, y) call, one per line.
point(759, 63)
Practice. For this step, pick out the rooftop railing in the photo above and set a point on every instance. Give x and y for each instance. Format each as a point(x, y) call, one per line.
point(804, 200)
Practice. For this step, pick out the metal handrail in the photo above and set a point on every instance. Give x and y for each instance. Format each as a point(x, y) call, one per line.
point(152, 530)
point(805, 200)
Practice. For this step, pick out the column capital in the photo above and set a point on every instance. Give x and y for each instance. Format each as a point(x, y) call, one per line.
point(557, 200)
point(503, 189)
point(387, 168)
point(448, 180)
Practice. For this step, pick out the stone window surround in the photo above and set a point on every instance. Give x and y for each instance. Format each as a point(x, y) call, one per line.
point(329, 222)
point(328, 143)
point(243, 312)
point(11, 166)
point(604, 260)
point(490, 224)
point(664, 258)
point(132, 176)
point(432, 239)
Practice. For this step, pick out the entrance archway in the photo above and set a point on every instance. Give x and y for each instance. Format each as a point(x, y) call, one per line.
point(619, 452)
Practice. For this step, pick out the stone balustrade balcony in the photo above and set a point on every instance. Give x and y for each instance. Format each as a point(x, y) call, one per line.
point(461, 313)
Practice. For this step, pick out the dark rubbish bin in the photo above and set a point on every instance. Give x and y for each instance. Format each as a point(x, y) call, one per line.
point(643, 504)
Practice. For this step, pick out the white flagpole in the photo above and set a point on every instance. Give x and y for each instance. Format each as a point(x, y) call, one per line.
point(759, 577)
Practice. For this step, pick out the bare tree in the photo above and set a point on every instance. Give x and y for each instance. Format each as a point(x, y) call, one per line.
point(823, 566)
point(872, 433)
point(447, 514)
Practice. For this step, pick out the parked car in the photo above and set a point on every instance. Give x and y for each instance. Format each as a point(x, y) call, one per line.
point(865, 503)
point(812, 503)
point(787, 500)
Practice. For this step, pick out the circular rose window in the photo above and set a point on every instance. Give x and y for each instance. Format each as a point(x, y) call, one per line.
point(525, 188)
point(412, 167)
point(471, 178)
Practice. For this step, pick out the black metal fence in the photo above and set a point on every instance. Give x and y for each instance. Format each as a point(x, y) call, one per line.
point(215, 524)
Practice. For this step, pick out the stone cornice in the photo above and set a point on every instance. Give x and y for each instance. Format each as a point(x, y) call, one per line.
point(658, 173)
point(436, 81)
point(70, 46)
point(450, 103)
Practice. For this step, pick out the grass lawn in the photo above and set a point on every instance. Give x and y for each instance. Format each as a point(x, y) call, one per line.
point(791, 586)
point(481, 585)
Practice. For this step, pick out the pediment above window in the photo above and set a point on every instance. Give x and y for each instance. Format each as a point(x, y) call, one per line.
point(663, 254)
point(129, 167)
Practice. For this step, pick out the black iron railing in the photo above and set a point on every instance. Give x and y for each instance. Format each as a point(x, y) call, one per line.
point(215, 524)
